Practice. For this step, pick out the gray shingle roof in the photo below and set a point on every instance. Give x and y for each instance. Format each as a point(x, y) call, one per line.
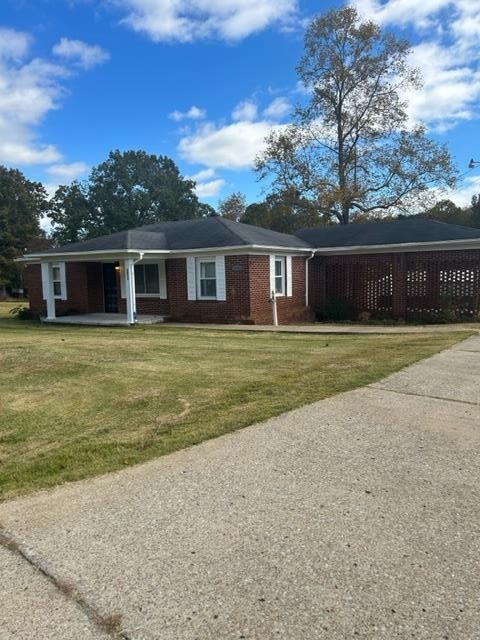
point(216, 232)
point(410, 230)
point(201, 233)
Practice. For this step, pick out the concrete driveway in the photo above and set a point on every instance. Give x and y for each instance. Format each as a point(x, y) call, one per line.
point(355, 517)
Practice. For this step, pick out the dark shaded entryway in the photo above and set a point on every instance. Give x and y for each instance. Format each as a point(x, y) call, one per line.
point(110, 288)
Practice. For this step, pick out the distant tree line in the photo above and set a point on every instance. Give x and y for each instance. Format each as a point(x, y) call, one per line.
point(288, 213)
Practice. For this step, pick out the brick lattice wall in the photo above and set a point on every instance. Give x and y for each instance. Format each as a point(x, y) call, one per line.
point(409, 285)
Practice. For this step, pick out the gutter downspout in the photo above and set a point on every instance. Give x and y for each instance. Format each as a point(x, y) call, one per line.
point(312, 255)
point(274, 309)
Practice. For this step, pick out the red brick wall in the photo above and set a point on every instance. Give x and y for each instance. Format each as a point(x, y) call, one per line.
point(247, 287)
point(148, 306)
point(289, 309)
point(84, 288)
point(236, 308)
point(33, 284)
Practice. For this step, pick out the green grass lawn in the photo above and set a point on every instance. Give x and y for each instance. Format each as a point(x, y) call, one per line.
point(79, 401)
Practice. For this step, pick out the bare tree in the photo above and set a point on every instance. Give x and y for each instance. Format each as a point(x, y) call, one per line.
point(351, 148)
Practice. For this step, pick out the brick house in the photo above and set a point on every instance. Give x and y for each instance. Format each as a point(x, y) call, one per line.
point(215, 270)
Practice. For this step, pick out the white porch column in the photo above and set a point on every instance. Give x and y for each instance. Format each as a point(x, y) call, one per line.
point(49, 294)
point(129, 270)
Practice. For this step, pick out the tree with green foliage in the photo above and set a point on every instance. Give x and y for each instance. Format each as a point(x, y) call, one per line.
point(475, 211)
point(233, 207)
point(285, 212)
point(70, 213)
point(128, 190)
point(447, 211)
point(351, 147)
point(22, 204)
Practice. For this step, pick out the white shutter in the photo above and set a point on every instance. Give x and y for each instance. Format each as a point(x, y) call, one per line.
point(191, 279)
point(220, 275)
point(63, 280)
point(45, 279)
point(288, 262)
point(123, 291)
point(272, 275)
point(162, 279)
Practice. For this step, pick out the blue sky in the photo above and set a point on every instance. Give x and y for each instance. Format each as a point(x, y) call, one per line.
point(202, 81)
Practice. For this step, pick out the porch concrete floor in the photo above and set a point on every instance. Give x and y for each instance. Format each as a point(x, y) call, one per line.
point(104, 319)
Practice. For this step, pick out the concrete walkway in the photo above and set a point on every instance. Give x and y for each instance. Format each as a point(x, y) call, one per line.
point(323, 327)
point(354, 517)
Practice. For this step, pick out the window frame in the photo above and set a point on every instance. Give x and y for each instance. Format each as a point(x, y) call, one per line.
point(59, 280)
point(139, 294)
point(198, 269)
point(283, 261)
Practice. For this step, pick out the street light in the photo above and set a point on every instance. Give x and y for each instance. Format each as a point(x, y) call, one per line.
point(473, 163)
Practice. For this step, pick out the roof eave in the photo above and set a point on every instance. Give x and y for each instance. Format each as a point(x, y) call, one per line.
point(112, 254)
point(440, 245)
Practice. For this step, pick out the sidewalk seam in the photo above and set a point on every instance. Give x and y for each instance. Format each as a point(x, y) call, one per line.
point(424, 395)
point(108, 624)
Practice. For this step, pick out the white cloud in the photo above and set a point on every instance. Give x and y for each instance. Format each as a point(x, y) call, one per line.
point(194, 113)
point(190, 20)
point(245, 111)
point(204, 174)
point(27, 152)
point(278, 109)
point(13, 44)
point(207, 185)
point(69, 171)
point(403, 12)
point(80, 53)
point(233, 146)
point(451, 90)
point(209, 189)
point(30, 88)
point(447, 55)
point(28, 91)
point(462, 197)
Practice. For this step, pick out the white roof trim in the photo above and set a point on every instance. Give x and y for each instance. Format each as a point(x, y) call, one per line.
point(120, 254)
point(441, 245)
point(116, 254)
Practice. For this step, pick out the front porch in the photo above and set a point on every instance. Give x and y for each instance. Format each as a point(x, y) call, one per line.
point(104, 292)
point(104, 319)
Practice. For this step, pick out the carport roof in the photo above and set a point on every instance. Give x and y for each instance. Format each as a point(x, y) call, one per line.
point(406, 231)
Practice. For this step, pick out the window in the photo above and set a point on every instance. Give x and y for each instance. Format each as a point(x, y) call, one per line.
point(57, 281)
point(147, 282)
point(207, 279)
point(280, 275)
